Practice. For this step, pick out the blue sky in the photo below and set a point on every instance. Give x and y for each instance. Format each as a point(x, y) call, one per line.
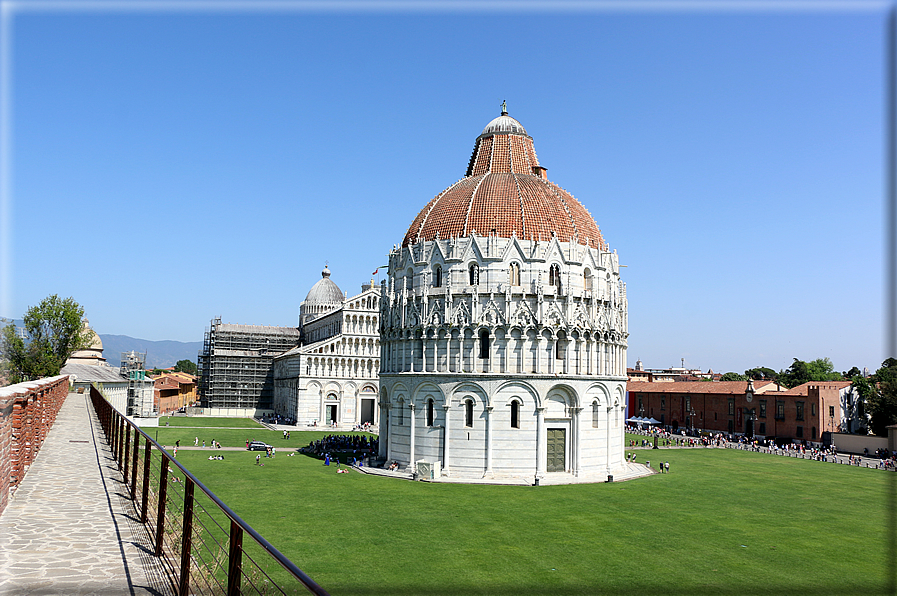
point(168, 166)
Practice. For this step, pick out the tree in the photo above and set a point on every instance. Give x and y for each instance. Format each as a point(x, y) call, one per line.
point(801, 372)
point(761, 373)
point(881, 402)
point(186, 366)
point(732, 376)
point(55, 331)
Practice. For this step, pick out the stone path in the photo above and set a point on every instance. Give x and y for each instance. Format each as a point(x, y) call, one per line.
point(69, 528)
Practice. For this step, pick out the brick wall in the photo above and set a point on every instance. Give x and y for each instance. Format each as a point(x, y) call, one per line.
point(27, 412)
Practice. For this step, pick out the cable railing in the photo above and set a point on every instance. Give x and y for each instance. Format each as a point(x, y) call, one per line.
point(206, 548)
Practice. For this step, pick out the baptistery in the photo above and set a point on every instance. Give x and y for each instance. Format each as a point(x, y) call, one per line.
point(503, 327)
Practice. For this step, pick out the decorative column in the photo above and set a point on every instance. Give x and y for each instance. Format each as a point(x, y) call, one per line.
point(608, 433)
point(538, 354)
point(577, 439)
point(489, 473)
point(424, 354)
point(411, 408)
point(384, 447)
point(446, 443)
point(541, 442)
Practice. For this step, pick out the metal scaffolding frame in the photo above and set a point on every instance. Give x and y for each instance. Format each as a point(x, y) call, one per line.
point(236, 364)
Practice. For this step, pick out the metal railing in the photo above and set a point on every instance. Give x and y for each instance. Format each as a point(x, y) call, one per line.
point(196, 536)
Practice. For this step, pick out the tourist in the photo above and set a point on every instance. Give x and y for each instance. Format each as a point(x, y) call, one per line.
point(258, 459)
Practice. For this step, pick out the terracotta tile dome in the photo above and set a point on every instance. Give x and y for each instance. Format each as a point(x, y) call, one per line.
point(505, 192)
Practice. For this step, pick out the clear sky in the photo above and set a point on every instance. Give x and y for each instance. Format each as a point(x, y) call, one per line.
point(167, 166)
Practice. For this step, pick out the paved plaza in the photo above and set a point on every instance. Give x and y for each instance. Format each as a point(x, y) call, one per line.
point(70, 528)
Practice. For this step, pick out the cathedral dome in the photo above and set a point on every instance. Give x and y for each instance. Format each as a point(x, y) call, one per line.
point(506, 193)
point(325, 292)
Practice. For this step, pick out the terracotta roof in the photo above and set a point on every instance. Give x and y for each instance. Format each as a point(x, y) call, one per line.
point(505, 190)
point(803, 389)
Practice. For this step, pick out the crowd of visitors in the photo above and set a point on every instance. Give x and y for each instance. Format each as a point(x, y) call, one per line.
point(886, 460)
point(358, 445)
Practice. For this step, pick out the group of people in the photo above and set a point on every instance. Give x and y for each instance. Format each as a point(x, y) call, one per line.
point(358, 444)
point(887, 460)
point(215, 444)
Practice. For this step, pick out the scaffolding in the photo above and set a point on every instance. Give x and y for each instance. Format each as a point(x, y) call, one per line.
point(140, 388)
point(236, 364)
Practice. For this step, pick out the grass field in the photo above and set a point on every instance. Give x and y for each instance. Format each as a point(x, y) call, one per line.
point(722, 522)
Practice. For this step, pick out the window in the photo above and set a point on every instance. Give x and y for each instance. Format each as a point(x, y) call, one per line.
point(780, 409)
point(514, 275)
point(474, 272)
point(484, 344)
point(554, 276)
point(762, 408)
point(558, 351)
point(587, 280)
point(515, 414)
point(831, 411)
point(813, 410)
point(731, 407)
point(595, 415)
point(687, 404)
point(762, 430)
point(437, 277)
point(800, 410)
point(468, 412)
point(401, 416)
point(800, 432)
point(663, 403)
point(429, 412)
point(641, 407)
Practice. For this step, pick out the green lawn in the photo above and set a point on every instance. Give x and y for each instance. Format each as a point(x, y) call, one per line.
point(722, 522)
point(208, 422)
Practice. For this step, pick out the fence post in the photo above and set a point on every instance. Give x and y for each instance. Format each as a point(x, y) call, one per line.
point(121, 440)
point(134, 465)
point(146, 481)
point(235, 559)
point(186, 537)
point(163, 492)
point(113, 436)
point(127, 456)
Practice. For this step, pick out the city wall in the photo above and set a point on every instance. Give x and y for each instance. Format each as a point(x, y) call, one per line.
point(27, 412)
point(855, 443)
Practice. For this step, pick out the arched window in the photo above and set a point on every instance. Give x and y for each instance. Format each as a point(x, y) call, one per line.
point(595, 414)
point(437, 277)
point(554, 276)
point(514, 275)
point(430, 412)
point(474, 271)
point(515, 414)
point(587, 280)
point(400, 418)
point(468, 412)
point(484, 344)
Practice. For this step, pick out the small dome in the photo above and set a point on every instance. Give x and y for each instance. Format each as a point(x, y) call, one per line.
point(325, 292)
point(504, 123)
point(95, 342)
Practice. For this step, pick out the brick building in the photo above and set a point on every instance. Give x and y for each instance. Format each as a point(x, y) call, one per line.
point(174, 391)
point(757, 408)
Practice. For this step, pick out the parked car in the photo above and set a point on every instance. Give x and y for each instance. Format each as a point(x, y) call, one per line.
point(258, 446)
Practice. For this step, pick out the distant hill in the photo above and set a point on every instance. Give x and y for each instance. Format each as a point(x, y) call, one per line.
point(159, 354)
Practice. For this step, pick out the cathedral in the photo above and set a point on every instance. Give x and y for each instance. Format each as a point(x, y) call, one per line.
point(503, 327)
point(330, 378)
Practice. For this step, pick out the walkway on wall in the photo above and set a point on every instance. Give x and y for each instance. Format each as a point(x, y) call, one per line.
point(70, 528)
